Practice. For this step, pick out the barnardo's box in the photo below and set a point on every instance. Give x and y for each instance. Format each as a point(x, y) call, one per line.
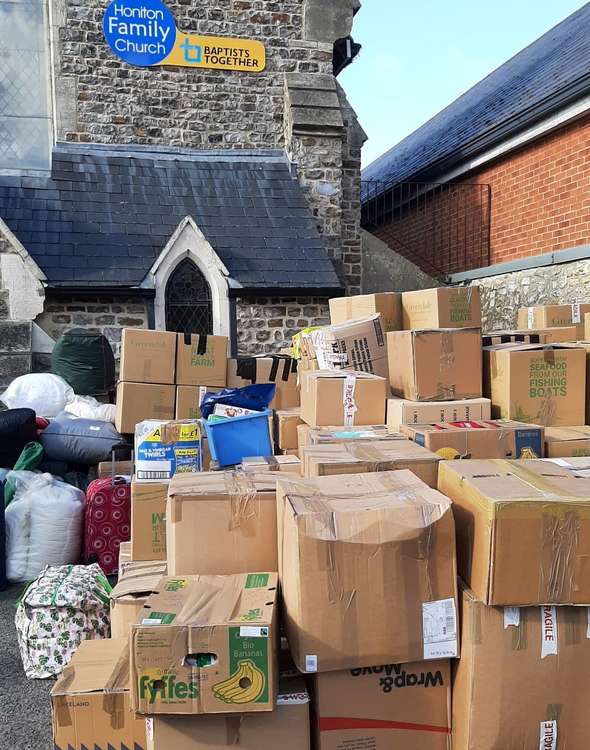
point(206, 645)
point(164, 449)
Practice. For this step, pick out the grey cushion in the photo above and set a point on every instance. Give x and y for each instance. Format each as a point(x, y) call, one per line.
point(82, 441)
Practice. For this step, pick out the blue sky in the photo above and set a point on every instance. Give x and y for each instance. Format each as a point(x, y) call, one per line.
point(419, 56)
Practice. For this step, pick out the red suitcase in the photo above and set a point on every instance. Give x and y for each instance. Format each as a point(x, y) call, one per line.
point(107, 522)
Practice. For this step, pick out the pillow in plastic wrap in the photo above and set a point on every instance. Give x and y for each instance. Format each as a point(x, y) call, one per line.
point(44, 393)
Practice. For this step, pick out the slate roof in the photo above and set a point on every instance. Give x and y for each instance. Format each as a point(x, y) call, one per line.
point(104, 215)
point(550, 73)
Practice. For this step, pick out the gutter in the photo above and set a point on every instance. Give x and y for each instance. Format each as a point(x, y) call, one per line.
point(327, 292)
point(112, 291)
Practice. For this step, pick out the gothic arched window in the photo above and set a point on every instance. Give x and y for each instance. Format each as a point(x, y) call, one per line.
point(188, 300)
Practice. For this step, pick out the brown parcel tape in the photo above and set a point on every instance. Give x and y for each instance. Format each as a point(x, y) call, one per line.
point(522, 681)
point(206, 644)
point(564, 442)
point(285, 428)
point(139, 401)
point(130, 594)
point(443, 307)
point(533, 336)
point(342, 398)
point(554, 316)
point(286, 728)
point(435, 365)
point(222, 522)
point(387, 304)
point(147, 356)
point(523, 530)
point(90, 700)
point(201, 359)
point(536, 384)
point(364, 457)
point(401, 411)
point(148, 520)
point(290, 464)
point(278, 369)
point(367, 569)
point(406, 706)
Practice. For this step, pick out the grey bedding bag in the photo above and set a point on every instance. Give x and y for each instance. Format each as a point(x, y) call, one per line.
point(82, 441)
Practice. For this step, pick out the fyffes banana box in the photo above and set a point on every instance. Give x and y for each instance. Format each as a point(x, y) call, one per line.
point(206, 645)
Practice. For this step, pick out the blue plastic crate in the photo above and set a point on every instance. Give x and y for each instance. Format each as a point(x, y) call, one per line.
point(236, 438)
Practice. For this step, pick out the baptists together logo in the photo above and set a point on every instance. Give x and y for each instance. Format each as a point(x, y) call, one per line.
point(144, 33)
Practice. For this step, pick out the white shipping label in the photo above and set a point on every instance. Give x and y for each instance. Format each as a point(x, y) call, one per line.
point(247, 631)
point(531, 317)
point(439, 629)
point(149, 729)
point(548, 631)
point(548, 735)
point(511, 617)
point(350, 407)
point(588, 628)
point(311, 663)
point(576, 313)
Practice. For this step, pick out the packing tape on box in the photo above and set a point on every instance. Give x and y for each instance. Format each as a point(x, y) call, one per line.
point(201, 347)
point(560, 538)
point(113, 704)
point(447, 350)
point(244, 498)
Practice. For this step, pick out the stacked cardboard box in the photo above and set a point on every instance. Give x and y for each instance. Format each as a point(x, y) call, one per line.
point(554, 316)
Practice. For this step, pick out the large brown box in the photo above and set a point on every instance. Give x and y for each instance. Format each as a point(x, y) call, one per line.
point(565, 442)
point(285, 428)
point(402, 411)
point(405, 706)
point(522, 680)
point(537, 384)
point(201, 359)
point(585, 345)
point(554, 316)
point(388, 304)
point(367, 570)
point(188, 400)
point(90, 700)
point(435, 365)
point(523, 530)
point(363, 457)
point(147, 356)
point(278, 369)
point(479, 439)
point(148, 520)
point(539, 336)
point(443, 307)
point(219, 523)
point(342, 398)
point(137, 402)
point(130, 594)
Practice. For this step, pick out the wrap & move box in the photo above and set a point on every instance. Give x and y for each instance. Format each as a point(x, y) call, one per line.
point(435, 365)
point(364, 457)
point(523, 530)
point(163, 449)
point(289, 463)
point(406, 706)
point(567, 441)
point(148, 520)
point(278, 369)
point(139, 401)
point(90, 700)
point(443, 307)
point(482, 439)
point(330, 434)
point(222, 522)
point(201, 359)
point(367, 570)
point(206, 645)
point(402, 411)
point(536, 384)
point(554, 316)
point(286, 728)
point(521, 681)
point(147, 356)
point(188, 400)
point(539, 336)
point(285, 428)
point(130, 594)
point(387, 304)
point(342, 398)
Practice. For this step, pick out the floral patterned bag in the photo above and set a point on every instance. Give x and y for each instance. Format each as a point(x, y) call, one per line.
point(64, 606)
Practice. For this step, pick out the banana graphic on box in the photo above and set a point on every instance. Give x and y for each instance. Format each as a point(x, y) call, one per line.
point(244, 686)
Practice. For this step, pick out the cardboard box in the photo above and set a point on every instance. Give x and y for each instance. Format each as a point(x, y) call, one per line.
point(522, 678)
point(354, 554)
point(286, 728)
point(585, 345)
point(147, 356)
point(406, 706)
point(567, 441)
point(206, 645)
point(401, 411)
point(164, 449)
point(579, 466)
point(360, 458)
point(130, 594)
point(289, 464)
point(331, 435)
point(278, 369)
point(201, 359)
point(341, 398)
point(441, 365)
point(285, 428)
point(554, 316)
point(387, 304)
point(120, 469)
point(536, 384)
point(444, 307)
point(188, 400)
point(124, 556)
point(539, 336)
point(489, 439)
point(222, 522)
point(523, 530)
point(148, 520)
point(84, 713)
point(139, 401)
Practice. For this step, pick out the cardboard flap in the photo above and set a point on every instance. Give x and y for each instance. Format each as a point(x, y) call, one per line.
point(220, 482)
point(140, 581)
point(96, 664)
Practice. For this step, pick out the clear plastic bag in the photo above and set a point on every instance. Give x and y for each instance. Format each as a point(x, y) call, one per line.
point(45, 393)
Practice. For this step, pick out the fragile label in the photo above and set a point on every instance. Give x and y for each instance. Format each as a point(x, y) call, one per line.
point(548, 631)
point(548, 735)
point(576, 313)
point(149, 729)
point(247, 631)
point(350, 407)
point(531, 317)
point(511, 617)
point(439, 628)
point(311, 663)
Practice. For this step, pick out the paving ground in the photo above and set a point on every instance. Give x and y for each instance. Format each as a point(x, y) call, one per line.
point(25, 710)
